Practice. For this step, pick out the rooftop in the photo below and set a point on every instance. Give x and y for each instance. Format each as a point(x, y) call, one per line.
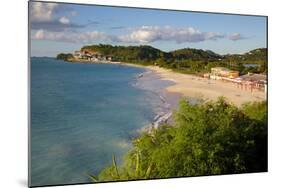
point(253, 77)
point(220, 69)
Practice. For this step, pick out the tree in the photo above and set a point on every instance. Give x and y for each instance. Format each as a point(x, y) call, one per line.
point(64, 57)
point(205, 139)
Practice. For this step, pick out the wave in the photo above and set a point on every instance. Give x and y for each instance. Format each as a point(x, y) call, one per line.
point(151, 82)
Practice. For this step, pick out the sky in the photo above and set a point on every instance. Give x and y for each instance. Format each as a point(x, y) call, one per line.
point(58, 27)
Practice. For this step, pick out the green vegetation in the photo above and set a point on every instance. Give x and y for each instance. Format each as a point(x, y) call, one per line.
point(65, 57)
point(185, 60)
point(205, 139)
point(145, 55)
point(257, 56)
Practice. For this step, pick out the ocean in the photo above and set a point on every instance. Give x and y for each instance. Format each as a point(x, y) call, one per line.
point(82, 114)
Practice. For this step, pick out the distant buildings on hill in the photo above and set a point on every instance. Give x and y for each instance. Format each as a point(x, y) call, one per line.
point(91, 56)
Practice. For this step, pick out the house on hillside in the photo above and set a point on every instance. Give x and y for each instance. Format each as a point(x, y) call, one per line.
point(91, 56)
point(108, 58)
point(77, 54)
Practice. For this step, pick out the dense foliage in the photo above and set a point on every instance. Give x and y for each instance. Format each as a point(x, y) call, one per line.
point(257, 56)
point(64, 57)
point(133, 54)
point(185, 60)
point(205, 139)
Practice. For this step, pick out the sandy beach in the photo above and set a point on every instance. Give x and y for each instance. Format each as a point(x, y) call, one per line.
point(201, 88)
point(206, 89)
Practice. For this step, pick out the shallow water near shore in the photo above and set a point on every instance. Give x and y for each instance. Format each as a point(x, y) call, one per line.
point(82, 114)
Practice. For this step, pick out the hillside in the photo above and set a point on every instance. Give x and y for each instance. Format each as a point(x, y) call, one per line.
point(126, 53)
point(195, 54)
point(186, 60)
point(149, 53)
point(258, 56)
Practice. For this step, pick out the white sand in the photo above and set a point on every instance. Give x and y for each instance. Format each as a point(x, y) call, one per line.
point(206, 89)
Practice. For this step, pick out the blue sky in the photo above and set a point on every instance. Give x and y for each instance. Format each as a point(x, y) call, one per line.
point(59, 28)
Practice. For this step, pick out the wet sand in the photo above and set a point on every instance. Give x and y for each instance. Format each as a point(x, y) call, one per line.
point(163, 101)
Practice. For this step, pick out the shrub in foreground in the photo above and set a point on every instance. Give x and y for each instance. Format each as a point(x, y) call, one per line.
point(205, 139)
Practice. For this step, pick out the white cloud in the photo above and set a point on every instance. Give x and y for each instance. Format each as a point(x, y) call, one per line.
point(39, 35)
point(73, 37)
point(146, 34)
point(51, 17)
point(88, 37)
point(236, 36)
point(64, 20)
point(49, 22)
point(42, 11)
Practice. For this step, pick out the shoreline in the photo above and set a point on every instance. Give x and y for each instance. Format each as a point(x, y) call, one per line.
point(105, 62)
point(164, 102)
point(195, 87)
point(192, 86)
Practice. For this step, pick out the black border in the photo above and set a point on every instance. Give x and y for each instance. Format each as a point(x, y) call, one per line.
point(116, 6)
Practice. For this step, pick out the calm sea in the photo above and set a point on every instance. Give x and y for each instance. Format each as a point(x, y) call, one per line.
point(82, 114)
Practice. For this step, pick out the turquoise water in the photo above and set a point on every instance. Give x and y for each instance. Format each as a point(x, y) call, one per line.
point(82, 114)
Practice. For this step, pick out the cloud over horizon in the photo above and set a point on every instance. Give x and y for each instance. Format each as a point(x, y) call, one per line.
point(46, 16)
point(50, 21)
point(147, 34)
point(142, 35)
point(42, 11)
point(72, 37)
